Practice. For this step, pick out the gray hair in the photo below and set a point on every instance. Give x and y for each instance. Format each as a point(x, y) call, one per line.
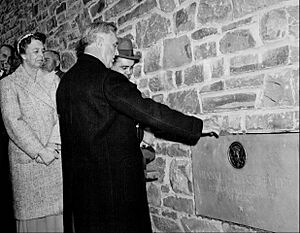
point(90, 34)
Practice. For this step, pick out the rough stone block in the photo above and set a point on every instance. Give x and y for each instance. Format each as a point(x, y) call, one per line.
point(178, 78)
point(275, 57)
point(51, 24)
point(203, 32)
point(184, 19)
point(228, 102)
point(161, 82)
point(62, 7)
point(217, 68)
point(185, 101)
point(143, 83)
point(169, 214)
point(217, 86)
point(180, 177)
point(244, 63)
point(214, 11)
point(278, 89)
point(167, 5)
point(179, 204)
point(140, 10)
point(175, 150)
point(243, 82)
point(274, 25)
point(177, 52)
point(165, 189)
point(119, 8)
point(237, 24)
point(165, 225)
point(159, 165)
point(151, 30)
point(97, 8)
point(296, 86)
point(236, 41)
point(154, 195)
point(152, 59)
point(193, 75)
point(205, 51)
point(200, 225)
point(245, 7)
point(270, 121)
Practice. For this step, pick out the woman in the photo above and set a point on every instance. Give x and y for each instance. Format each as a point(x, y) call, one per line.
point(29, 113)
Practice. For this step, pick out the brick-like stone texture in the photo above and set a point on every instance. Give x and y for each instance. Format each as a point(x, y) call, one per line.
point(270, 121)
point(193, 75)
point(169, 214)
point(275, 57)
point(177, 52)
point(217, 68)
point(237, 24)
point(184, 101)
point(214, 11)
point(175, 150)
point(244, 63)
point(179, 204)
point(245, 7)
point(165, 225)
point(295, 77)
point(229, 102)
point(161, 82)
point(97, 8)
point(293, 12)
point(185, 18)
point(236, 41)
point(205, 51)
point(167, 5)
point(159, 165)
point(151, 30)
point(154, 195)
point(119, 8)
point(203, 32)
point(274, 25)
point(152, 59)
point(278, 89)
point(67, 60)
point(140, 10)
point(243, 82)
point(200, 225)
point(180, 177)
point(216, 86)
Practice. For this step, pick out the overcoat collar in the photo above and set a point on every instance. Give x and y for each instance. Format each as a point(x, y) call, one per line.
point(40, 88)
point(93, 61)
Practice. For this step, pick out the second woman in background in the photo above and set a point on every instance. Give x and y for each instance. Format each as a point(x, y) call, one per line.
point(28, 108)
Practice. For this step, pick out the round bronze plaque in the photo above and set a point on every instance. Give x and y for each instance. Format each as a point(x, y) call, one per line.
point(236, 155)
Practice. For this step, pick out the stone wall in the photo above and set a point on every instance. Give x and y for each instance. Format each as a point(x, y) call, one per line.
point(233, 62)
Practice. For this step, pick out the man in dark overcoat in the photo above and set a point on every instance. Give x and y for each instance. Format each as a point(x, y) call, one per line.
point(104, 184)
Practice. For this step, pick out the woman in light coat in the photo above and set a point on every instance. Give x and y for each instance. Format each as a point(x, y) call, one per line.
point(28, 109)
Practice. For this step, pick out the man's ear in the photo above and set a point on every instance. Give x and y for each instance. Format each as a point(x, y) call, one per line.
point(99, 41)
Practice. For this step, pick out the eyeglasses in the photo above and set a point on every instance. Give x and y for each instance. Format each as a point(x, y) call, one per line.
point(37, 35)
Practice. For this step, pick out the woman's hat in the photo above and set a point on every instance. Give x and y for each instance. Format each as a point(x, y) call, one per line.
point(125, 49)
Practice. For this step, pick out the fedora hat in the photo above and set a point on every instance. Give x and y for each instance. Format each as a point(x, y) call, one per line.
point(125, 49)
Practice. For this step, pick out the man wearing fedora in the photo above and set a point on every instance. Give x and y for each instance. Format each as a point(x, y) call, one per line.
point(124, 63)
point(103, 175)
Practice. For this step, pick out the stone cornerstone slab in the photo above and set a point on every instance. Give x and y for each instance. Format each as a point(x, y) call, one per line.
point(264, 193)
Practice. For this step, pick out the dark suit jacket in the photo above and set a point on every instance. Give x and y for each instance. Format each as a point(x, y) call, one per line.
point(104, 186)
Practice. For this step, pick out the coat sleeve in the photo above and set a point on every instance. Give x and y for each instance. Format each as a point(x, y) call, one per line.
point(164, 122)
point(18, 130)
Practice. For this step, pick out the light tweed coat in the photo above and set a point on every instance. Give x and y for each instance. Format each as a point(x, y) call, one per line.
point(29, 113)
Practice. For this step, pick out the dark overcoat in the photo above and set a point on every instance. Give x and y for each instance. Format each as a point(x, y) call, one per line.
point(103, 178)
